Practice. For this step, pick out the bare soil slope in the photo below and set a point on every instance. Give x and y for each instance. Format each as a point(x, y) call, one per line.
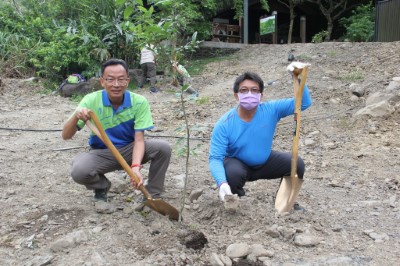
point(351, 189)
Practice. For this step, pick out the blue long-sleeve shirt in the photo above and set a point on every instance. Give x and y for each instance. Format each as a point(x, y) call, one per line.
point(250, 142)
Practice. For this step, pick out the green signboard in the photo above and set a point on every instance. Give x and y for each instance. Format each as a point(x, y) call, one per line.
point(267, 25)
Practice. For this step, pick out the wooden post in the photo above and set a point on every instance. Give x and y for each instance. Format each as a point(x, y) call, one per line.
point(303, 29)
point(275, 34)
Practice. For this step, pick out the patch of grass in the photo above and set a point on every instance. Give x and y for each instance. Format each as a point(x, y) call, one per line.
point(76, 98)
point(304, 57)
point(332, 53)
point(197, 65)
point(129, 199)
point(144, 213)
point(345, 123)
point(170, 90)
point(46, 91)
point(203, 100)
point(132, 85)
point(48, 87)
point(319, 37)
point(193, 226)
point(353, 76)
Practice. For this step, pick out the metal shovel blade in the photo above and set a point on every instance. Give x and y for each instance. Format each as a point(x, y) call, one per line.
point(283, 195)
point(163, 208)
point(287, 193)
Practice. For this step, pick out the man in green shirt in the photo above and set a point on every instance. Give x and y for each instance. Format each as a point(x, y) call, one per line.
point(124, 116)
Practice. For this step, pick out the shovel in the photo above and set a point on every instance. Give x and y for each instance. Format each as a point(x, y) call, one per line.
point(290, 185)
point(158, 205)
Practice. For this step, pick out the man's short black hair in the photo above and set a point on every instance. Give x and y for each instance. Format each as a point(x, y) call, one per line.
point(250, 76)
point(113, 62)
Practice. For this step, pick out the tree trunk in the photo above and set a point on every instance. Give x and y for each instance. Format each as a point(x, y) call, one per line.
point(329, 29)
point(292, 16)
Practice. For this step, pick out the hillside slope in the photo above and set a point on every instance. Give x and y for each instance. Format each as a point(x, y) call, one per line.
point(351, 189)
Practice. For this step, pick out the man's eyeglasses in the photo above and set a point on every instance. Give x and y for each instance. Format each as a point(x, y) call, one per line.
point(121, 81)
point(245, 90)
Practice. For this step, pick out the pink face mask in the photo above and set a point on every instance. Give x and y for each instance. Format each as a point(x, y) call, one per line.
point(249, 101)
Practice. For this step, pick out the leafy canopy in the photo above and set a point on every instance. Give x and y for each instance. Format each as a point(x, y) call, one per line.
point(361, 24)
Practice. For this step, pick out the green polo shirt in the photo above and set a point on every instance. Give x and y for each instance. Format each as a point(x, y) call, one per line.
point(120, 124)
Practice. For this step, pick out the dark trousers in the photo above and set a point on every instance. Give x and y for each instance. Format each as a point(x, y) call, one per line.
point(278, 165)
point(148, 71)
point(89, 168)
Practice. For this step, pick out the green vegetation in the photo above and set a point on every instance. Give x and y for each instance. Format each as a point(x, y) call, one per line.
point(46, 89)
point(304, 57)
point(203, 100)
point(332, 53)
point(196, 66)
point(238, 6)
point(77, 98)
point(361, 24)
point(353, 76)
point(320, 36)
point(193, 226)
point(52, 39)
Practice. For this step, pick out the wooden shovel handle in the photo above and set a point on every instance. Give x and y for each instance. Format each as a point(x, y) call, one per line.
point(99, 131)
point(298, 89)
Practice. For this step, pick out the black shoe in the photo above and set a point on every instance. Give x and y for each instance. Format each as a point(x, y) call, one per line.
point(297, 207)
point(101, 194)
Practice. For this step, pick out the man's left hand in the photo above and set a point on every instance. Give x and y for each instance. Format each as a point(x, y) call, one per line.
point(136, 171)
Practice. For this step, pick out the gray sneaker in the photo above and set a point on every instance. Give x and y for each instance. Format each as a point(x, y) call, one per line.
point(101, 194)
point(139, 204)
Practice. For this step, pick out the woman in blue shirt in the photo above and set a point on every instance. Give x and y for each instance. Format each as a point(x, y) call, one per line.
point(241, 142)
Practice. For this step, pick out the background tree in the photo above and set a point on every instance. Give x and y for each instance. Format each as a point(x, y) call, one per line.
point(52, 38)
point(291, 4)
point(170, 29)
point(332, 10)
point(60, 37)
point(360, 25)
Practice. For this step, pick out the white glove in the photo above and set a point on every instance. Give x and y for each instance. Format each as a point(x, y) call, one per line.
point(295, 65)
point(224, 189)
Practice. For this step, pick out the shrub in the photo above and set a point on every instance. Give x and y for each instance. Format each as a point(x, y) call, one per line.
point(64, 55)
point(320, 36)
point(360, 25)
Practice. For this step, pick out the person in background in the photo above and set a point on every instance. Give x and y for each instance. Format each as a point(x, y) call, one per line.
point(148, 59)
point(124, 116)
point(183, 77)
point(241, 142)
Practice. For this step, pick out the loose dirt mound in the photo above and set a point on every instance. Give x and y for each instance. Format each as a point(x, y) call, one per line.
point(351, 189)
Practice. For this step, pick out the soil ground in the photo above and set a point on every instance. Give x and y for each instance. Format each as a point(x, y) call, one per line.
point(351, 189)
